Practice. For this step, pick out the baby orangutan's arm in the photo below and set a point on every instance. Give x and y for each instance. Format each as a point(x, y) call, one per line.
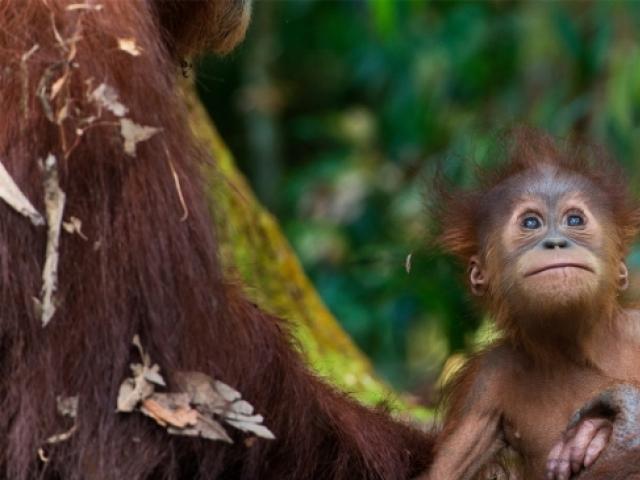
point(472, 433)
point(473, 442)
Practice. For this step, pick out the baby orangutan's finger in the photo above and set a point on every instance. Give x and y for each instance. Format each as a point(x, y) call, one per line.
point(578, 449)
point(558, 466)
point(586, 431)
point(598, 443)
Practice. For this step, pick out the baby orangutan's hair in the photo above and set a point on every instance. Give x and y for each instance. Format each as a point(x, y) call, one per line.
point(460, 213)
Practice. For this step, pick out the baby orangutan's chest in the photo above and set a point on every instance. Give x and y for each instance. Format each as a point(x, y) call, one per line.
point(538, 409)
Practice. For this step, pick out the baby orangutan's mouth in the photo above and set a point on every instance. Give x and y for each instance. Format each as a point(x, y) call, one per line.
point(558, 265)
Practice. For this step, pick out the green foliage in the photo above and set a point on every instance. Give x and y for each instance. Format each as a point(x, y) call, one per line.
point(337, 111)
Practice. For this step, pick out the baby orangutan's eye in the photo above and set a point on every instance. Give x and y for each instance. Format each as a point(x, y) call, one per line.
point(531, 222)
point(575, 220)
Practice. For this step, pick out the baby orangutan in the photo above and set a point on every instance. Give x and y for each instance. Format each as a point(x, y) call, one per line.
point(544, 240)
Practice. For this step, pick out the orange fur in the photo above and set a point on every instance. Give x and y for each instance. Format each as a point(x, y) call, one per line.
point(561, 345)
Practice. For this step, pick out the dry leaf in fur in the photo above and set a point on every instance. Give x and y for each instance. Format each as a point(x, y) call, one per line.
point(196, 410)
point(61, 437)
point(74, 225)
point(132, 133)
point(174, 411)
point(57, 85)
point(214, 397)
point(83, 6)
point(170, 409)
point(107, 97)
point(13, 196)
point(54, 199)
point(132, 391)
point(129, 45)
point(141, 385)
point(206, 427)
point(67, 406)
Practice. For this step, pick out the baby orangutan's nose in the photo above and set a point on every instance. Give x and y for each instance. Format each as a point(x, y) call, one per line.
point(555, 242)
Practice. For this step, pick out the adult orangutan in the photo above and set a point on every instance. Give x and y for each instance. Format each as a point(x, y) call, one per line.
point(89, 107)
point(544, 239)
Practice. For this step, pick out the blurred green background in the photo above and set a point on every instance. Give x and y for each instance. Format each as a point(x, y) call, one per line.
point(337, 111)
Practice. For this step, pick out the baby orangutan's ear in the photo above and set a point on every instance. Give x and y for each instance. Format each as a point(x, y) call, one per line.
point(477, 276)
point(623, 276)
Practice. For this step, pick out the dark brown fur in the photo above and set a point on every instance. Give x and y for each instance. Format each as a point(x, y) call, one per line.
point(193, 26)
point(145, 271)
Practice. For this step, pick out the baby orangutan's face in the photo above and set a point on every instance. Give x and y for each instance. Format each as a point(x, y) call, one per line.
point(551, 248)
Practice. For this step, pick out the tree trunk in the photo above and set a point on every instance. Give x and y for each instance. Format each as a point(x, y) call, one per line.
point(256, 252)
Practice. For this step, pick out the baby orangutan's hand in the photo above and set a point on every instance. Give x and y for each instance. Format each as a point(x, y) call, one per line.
point(578, 448)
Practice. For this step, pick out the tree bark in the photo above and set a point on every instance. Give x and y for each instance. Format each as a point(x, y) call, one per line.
point(256, 252)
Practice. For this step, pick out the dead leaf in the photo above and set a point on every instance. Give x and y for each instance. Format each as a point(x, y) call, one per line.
point(57, 85)
point(43, 88)
point(132, 133)
point(56, 34)
point(239, 417)
point(256, 428)
point(141, 386)
point(63, 113)
point(61, 437)
point(83, 6)
point(107, 97)
point(84, 123)
point(42, 455)
point(132, 392)
point(196, 410)
point(201, 389)
point(129, 45)
point(226, 392)
point(13, 196)
point(73, 50)
point(176, 180)
point(74, 225)
point(205, 428)
point(152, 374)
point(214, 397)
point(54, 199)
point(67, 406)
point(25, 56)
point(170, 409)
point(242, 407)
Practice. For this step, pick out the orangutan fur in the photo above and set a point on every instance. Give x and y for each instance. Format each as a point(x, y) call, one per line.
point(149, 266)
point(544, 238)
point(189, 27)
